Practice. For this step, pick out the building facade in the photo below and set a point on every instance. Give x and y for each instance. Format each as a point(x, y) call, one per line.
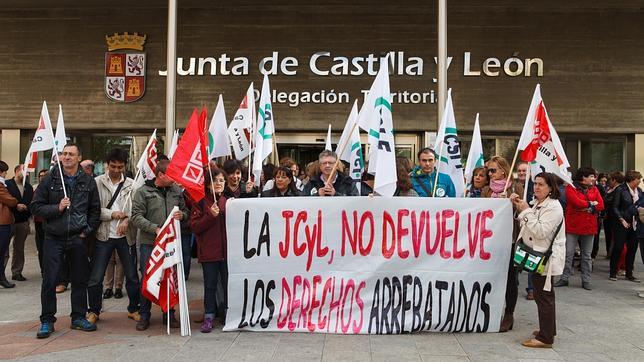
point(321, 56)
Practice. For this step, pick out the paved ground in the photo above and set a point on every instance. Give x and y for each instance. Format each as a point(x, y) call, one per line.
point(604, 324)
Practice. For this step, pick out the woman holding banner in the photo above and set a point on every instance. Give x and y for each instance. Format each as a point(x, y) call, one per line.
point(208, 223)
point(283, 184)
point(539, 224)
point(501, 186)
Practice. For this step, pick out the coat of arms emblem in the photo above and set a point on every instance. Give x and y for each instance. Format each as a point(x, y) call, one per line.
point(125, 67)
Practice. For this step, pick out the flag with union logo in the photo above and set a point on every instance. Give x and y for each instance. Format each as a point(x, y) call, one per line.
point(186, 166)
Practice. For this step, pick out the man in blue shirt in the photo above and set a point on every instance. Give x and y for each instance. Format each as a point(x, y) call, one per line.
point(424, 175)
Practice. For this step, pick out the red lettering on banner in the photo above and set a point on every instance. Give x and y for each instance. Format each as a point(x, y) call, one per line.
point(417, 229)
point(432, 250)
point(366, 250)
point(347, 234)
point(473, 235)
point(283, 245)
point(400, 232)
point(445, 232)
point(296, 302)
point(314, 303)
point(328, 286)
point(285, 289)
point(358, 326)
point(388, 223)
point(485, 233)
point(456, 254)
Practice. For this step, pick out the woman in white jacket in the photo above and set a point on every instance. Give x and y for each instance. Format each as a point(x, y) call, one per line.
point(539, 223)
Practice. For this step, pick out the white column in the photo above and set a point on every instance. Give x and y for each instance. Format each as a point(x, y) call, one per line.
point(10, 152)
point(442, 59)
point(639, 153)
point(171, 78)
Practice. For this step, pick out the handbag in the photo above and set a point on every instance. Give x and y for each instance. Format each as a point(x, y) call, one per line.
point(641, 215)
point(530, 260)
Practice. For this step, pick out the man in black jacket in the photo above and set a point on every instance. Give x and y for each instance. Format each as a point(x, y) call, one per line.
point(69, 220)
point(320, 185)
point(20, 228)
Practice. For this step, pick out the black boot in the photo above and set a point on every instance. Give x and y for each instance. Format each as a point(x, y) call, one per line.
point(4, 282)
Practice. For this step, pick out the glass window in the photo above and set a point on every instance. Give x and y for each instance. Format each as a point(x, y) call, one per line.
point(603, 155)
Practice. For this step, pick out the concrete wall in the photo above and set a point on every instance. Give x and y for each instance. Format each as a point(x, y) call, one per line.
point(592, 82)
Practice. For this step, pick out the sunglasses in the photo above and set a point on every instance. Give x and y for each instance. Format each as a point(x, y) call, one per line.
point(491, 170)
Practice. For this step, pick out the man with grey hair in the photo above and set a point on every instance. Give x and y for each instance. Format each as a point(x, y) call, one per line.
point(322, 185)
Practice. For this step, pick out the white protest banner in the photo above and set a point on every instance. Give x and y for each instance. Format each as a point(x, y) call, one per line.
point(352, 265)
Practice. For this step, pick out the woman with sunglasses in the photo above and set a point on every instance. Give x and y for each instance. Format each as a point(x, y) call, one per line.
point(498, 170)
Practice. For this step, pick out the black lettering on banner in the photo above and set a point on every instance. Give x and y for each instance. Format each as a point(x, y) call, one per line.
point(395, 307)
point(259, 285)
point(450, 311)
point(476, 291)
point(428, 308)
point(440, 285)
point(248, 253)
point(386, 291)
point(242, 321)
point(462, 300)
point(264, 237)
point(485, 308)
point(406, 304)
point(269, 304)
point(375, 309)
point(417, 320)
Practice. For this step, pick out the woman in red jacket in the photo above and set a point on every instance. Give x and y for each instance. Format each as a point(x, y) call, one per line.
point(208, 223)
point(583, 204)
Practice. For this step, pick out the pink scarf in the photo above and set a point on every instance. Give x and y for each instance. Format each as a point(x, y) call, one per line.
point(636, 196)
point(498, 186)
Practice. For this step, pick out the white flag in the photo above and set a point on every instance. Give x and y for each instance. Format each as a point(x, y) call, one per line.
point(148, 162)
point(60, 140)
point(264, 131)
point(173, 145)
point(239, 128)
point(475, 156)
point(350, 140)
point(375, 117)
point(43, 140)
point(539, 143)
point(448, 148)
point(218, 143)
point(328, 140)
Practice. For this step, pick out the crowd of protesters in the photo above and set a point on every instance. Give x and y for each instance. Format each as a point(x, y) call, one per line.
point(93, 230)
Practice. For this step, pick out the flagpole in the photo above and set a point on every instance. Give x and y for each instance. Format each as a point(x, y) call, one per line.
point(344, 146)
point(167, 313)
point(438, 164)
point(514, 161)
point(525, 187)
point(55, 150)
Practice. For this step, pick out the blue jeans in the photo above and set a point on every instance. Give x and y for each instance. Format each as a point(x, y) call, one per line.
point(102, 253)
point(212, 273)
point(76, 254)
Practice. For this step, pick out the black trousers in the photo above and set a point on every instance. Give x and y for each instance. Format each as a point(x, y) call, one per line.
point(623, 236)
point(512, 287)
point(609, 227)
point(593, 253)
point(40, 239)
point(546, 310)
point(76, 254)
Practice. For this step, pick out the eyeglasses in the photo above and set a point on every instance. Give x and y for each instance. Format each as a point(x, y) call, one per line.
point(491, 170)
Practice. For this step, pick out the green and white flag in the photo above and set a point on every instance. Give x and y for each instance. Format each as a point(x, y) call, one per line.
point(350, 140)
point(448, 148)
point(218, 142)
point(375, 117)
point(264, 131)
point(475, 156)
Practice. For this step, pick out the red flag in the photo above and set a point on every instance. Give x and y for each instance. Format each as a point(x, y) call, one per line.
point(161, 273)
point(186, 166)
point(541, 135)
